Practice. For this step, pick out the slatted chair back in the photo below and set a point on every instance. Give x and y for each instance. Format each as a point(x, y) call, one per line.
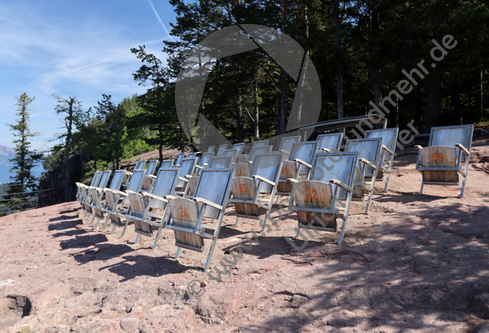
point(316, 200)
point(221, 162)
point(331, 142)
point(140, 165)
point(267, 166)
point(165, 164)
point(260, 143)
point(179, 159)
point(211, 149)
point(255, 151)
point(441, 162)
point(221, 149)
point(192, 155)
point(187, 168)
point(151, 167)
point(286, 144)
point(240, 147)
point(389, 136)
point(186, 217)
point(97, 202)
point(136, 180)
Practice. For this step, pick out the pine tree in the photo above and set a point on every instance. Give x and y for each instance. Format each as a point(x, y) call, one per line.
point(25, 158)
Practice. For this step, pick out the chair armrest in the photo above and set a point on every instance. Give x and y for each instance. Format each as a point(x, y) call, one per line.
point(284, 151)
point(152, 176)
point(418, 147)
point(188, 176)
point(341, 184)
point(208, 203)
point(461, 147)
point(117, 192)
point(303, 163)
point(387, 150)
point(184, 179)
point(153, 196)
point(199, 166)
point(367, 162)
point(260, 178)
point(171, 197)
point(293, 180)
point(206, 165)
point(326, 150)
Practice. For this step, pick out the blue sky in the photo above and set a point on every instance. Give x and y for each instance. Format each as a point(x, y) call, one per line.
point(73, 48)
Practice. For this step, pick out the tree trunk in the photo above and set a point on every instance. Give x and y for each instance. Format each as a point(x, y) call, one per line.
point(282, 103)
point(339, 71)
point(256, 129)
point(456, 103)
point(68, 143)
point(239, 118)
point(432, 116)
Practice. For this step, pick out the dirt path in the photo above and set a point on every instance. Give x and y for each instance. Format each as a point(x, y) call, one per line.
point(416, 263)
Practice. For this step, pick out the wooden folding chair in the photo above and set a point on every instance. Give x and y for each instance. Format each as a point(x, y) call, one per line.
point(329, 143)
point(104, 179)
point(187, 216)
point(253, 196)
point(441, 162)
point(297, 165)
point(149, 177)
point(99, 202)
point(217, 162)
point(117, 211)
point(370, 151)
point(287, 143)
point(149, 210)
point(85, 190)
point(326, 194)
point(389, 136)
point(221, 149)
point(187, 170)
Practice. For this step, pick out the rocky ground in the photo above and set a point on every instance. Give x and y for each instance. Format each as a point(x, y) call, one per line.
point(416, 263)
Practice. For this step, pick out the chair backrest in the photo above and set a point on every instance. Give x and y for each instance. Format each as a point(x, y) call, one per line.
point(260, 143)
point(214, 185)
point(267, 166)
point(221, 149)
point(240, 147)
point(140, 165)
point(117, 179)
point(96, 178)
point(287, 142)
point(211, 149)
point(370, 149)
point(330, 141)
point(206, 158)
point(221, 162)
point(340, 166)
point(450, 135)
point(192, 155)
point(136, 165)
point(231, 152)
point(304, 151)
point(165, 182)
point(165, 164)
point(187, 168)
point(255, 151)
point(179, 158)
point(136, 180)
point(151, 167)
point(389, 136)
point(104, 179)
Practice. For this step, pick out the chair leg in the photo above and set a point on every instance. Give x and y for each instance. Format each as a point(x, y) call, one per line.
point(278, 197)
point(463, 187)
point(178, 252)
point(98, 221)
point(211, 252)
point(387, 181)
point(422, 186)
point(124, 229)
point(157, 238)
point(342, 233)
point(93, 218)
point(137, 238)
point(237, 221)
point(106, 221)
point(113, 228)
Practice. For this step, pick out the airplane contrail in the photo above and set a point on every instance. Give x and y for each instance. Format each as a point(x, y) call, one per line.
point(159, 19)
